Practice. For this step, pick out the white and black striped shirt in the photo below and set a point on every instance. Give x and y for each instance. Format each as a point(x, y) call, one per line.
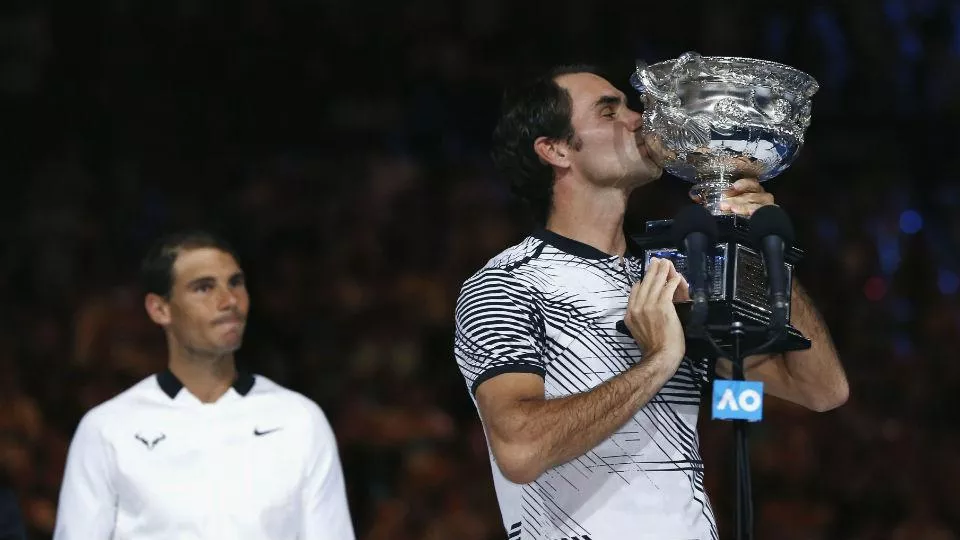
point(550, 306)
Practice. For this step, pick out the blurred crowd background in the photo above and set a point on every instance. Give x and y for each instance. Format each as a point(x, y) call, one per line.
point(343, 146)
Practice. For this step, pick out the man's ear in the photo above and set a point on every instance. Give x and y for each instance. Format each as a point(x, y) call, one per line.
point(552, 152)
point(157, 308)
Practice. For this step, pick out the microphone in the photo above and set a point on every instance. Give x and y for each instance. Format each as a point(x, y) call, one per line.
point(694, 231)
point(772, 232)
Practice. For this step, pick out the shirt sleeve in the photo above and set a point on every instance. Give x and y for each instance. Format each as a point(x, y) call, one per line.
point(87, 509)
point(499, 328)
point(325, 514)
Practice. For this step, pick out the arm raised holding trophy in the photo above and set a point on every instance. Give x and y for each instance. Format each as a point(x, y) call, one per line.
point(727, 124)
point(814, 377)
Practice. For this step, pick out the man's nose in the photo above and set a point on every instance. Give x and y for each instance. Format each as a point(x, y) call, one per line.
point(227, 299)
point(635, 120)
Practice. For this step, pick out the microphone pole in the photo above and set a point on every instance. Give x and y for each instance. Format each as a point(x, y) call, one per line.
point(772, 233)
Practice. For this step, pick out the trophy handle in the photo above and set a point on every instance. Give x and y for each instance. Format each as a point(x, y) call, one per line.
point(686, 59)
point(647, 84)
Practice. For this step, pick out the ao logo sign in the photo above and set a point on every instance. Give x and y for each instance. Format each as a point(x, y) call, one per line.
point(738, 400)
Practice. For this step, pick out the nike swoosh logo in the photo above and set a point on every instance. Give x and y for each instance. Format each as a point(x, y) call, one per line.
point(259, 433)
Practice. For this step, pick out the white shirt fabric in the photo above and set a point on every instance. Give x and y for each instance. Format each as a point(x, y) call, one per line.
point(260, 463)
point(550, 306)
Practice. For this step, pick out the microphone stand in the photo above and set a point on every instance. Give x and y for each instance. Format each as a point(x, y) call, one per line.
point(695, 234)
point(744, 510)
point(744, 491)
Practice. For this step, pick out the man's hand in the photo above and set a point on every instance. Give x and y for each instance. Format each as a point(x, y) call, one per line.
point(682, 294)
point(745, 197)
point(651, 316)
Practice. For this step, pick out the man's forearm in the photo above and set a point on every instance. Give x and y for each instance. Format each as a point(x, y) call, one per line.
point(553, 431)
point(813, 378)
point(817, 371)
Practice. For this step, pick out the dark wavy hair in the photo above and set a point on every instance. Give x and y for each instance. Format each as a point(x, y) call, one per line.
point(538, 108)
point(156, 268)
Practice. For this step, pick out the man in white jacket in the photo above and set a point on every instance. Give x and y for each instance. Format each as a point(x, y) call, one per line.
point(202, 450)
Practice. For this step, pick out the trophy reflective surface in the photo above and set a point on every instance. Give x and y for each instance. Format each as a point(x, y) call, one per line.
point(712, 121)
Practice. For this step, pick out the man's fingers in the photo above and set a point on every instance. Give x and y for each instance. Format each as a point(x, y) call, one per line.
point(683, 291)
point(754, 197)
point(674, 280)
point(672, 271)
point(744, 209)
point(655, 274)
point(751, 197)
point(670, 289)
point(636, 290)
point(747, 203)
point(747, 185)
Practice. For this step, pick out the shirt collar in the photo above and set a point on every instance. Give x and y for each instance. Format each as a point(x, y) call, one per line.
point(171, 385)
point(575, 247)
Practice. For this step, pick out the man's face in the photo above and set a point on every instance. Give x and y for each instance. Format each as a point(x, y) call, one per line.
point(611, 151)
point(207, 309)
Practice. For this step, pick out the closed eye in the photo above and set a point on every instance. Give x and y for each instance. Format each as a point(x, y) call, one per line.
point(608, 105)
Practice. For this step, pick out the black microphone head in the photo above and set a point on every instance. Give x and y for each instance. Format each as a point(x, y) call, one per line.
point(691, 219)
point(770, 220)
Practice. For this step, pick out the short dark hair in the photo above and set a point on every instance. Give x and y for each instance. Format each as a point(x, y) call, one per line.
point(538, 108)
point(156, 269)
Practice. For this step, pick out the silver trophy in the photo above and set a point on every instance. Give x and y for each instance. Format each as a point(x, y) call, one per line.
point(712, 121)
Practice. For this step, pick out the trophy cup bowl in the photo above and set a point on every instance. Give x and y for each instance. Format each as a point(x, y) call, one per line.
point(712, 120)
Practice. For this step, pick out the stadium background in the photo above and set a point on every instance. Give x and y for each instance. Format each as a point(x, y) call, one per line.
point(343, 147)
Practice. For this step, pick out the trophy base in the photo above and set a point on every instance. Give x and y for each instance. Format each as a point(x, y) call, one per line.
point(710, 193)
point(739, 293)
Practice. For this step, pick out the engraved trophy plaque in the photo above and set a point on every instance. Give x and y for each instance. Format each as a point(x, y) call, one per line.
point(711, 121)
